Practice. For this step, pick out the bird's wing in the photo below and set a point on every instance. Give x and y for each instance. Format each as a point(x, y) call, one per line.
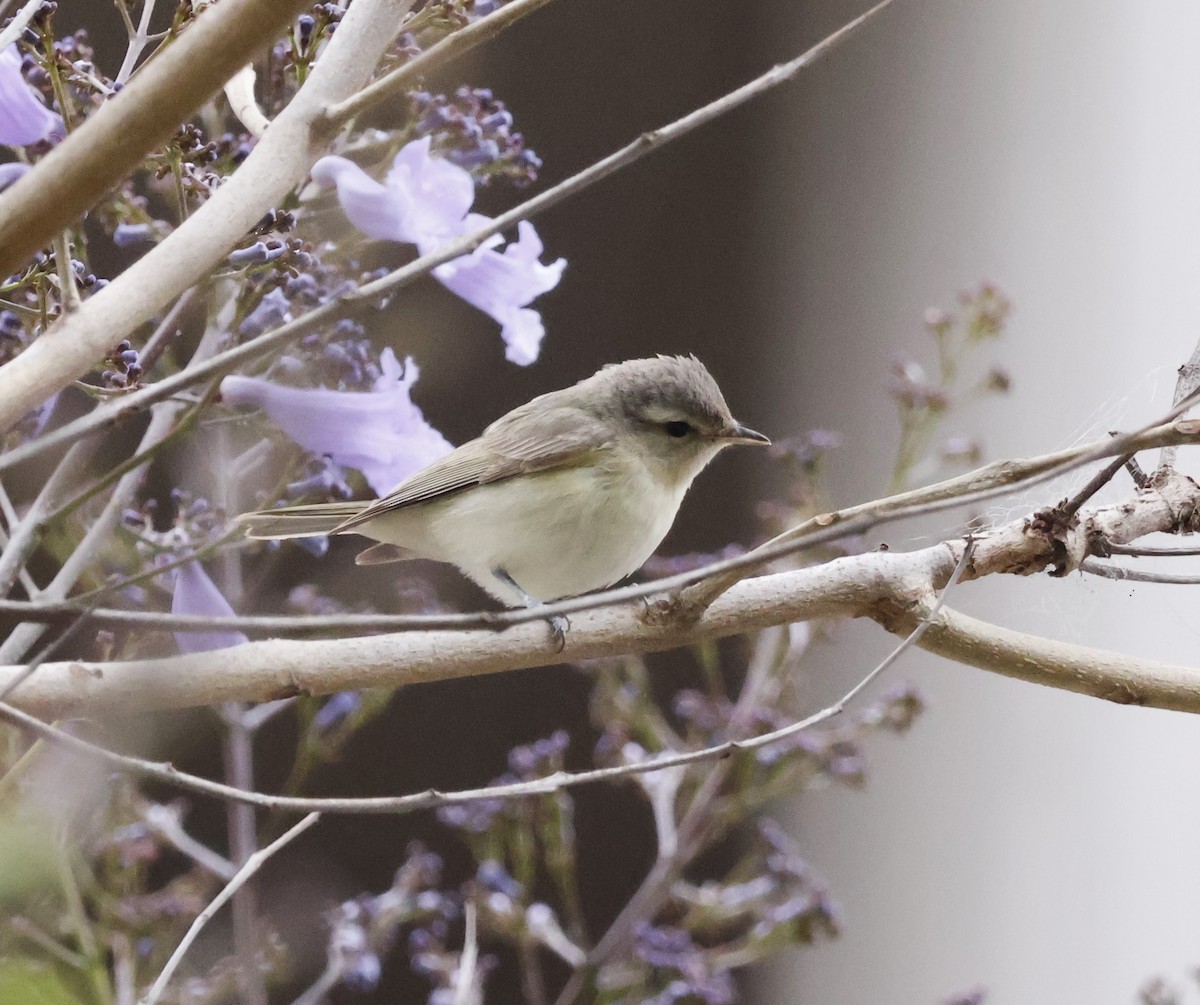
point(522, 442)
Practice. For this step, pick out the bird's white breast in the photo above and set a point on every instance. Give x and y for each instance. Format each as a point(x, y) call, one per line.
point(556, 533)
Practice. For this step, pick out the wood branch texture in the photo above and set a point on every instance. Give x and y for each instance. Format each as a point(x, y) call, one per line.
point(896, 589)
point(295, 139)
point(111, 143)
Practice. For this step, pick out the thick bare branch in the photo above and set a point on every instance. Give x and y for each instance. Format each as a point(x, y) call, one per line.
point(295, 139)
point(184, 75)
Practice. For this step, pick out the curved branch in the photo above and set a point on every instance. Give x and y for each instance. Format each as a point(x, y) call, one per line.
point(411, 73)
point(1116, 677)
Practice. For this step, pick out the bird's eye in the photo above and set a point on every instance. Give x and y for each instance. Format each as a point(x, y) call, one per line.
point(677, 428)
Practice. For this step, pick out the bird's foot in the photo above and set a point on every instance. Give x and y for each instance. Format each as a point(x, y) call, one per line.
point(559, 624)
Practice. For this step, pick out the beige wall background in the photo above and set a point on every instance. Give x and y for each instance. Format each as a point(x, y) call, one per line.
point(1035, 844)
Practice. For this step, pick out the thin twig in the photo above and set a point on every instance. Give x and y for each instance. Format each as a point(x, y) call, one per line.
point(1101, 478)
point(25, 927)
point(1106, 571)
point(238, 750)
point(412, 72)
point(252, 865)
point(24, 535)
point(239, 92)
point(165, 330)
point(464, 976)
point(1145, 551)
point(137, 42)
point(164, 821)
point(68, 291)
point(1185, 388)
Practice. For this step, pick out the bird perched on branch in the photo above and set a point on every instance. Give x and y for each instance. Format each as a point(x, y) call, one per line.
point(566, 494)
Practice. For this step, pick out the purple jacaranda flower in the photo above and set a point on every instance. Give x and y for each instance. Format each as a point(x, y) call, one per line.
point(23, 117)
point(379, 432)
point(501, 283)
point(425, 201)
point(195, 593)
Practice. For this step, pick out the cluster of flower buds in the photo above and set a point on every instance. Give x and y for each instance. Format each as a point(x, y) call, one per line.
point(193, 521)
point(125, 368)
point(472, 129)
point(364, 929)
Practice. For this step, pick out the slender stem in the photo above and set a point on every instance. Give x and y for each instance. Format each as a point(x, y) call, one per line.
point(137, 41)
point(25, 534)
point(251, 866)
point(243, 843)
point(412, 72)
point(67, 290)
point(1106, 571)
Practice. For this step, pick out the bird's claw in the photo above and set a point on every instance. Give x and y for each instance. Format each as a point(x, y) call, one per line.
point(559, 624)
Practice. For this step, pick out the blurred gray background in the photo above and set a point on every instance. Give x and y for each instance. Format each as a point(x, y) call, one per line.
point(1036, 844)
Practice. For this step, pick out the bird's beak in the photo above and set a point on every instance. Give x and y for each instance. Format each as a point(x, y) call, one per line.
point(743, 434)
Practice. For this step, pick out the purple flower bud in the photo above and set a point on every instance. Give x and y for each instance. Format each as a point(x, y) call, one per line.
point(494, 877)
point(128, 234)
point(271, 310)
point(195, 593)
point(336, 711)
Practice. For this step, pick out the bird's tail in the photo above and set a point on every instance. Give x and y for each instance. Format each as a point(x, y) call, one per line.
point(316, 520)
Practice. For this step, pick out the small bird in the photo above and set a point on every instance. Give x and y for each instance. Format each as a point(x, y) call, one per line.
point(566, 494)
